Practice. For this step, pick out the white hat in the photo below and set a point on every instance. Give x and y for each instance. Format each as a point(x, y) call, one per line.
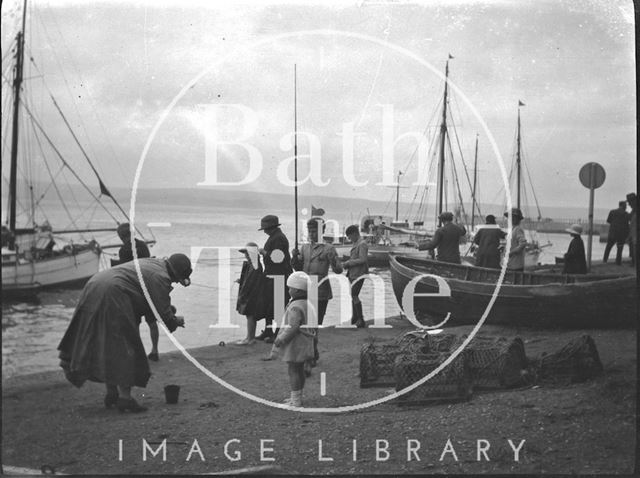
point(298, 280)
point(575, 229)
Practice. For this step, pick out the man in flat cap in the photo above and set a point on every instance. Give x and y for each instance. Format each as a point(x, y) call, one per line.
point(277, 262)
point(446, 240)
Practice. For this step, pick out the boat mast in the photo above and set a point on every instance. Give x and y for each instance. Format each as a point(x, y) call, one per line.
point(518, 157)
point(473, 194)
point(398, 194)
point(443, 134)
point(17, 83)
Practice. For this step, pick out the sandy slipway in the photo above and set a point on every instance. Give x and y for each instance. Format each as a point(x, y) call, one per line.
point(588, 427)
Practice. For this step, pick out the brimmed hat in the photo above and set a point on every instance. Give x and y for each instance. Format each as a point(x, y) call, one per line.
point(298, 280)
point(247, 245)
point(180, 267)
point(446, 216)
point(575, 229)
point(269, 221)
point(515, 212)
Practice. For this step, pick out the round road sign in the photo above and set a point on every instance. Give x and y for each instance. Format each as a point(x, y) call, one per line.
point(592, 175)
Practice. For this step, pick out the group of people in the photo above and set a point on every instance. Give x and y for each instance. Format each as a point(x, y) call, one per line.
point(623, 229)
point(103, 344)
point(487, 240)
point(296, 345)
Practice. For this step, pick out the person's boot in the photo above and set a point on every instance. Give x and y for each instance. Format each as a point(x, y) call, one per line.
point(272, 337)
point(266, 333)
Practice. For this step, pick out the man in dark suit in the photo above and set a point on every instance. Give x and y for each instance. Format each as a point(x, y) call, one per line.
point(618, 220)
point(446, 240)
point(488, 241)
point(277, 262)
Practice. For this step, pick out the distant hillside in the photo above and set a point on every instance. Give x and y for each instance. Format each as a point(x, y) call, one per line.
point(234, 198)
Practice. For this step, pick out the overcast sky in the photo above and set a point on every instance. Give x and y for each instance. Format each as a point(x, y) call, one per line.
point(116, 66)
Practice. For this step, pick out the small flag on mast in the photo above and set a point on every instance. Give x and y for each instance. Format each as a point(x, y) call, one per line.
point(103, 189)
point(450, 56)
point(520, 103)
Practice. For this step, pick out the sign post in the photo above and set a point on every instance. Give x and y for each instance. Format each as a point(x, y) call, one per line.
point(592, 176)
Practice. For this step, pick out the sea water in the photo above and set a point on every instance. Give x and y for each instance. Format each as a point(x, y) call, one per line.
point(31, 331)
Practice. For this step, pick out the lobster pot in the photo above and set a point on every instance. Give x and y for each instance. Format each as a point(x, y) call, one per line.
point(497, 362)
point(575, 362)
point(376, 364)
point(443, 342)
point(453, 383)
point(377, 358)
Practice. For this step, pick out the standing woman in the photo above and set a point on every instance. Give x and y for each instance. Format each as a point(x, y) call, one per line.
point(575, 260)
point(277, 262)
point(102, 343)
point(250, 301)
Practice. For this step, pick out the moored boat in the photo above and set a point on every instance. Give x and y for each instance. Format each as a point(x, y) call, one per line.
point(524, 299)
point(34, 255)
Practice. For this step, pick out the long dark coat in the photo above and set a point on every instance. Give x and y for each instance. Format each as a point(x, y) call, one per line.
point(488, 240)
point(102, 342)
point(575, 260)
point(276, 241)
point(251, 291)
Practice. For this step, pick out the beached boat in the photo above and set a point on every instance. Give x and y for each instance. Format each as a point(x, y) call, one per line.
point(525, 298)
point(34, 255)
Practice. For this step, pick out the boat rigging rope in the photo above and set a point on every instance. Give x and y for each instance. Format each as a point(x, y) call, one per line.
point(66, 163)
point(53, 183)
point(455, 177)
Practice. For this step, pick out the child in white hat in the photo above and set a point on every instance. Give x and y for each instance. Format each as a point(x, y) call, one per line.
point(294, 343)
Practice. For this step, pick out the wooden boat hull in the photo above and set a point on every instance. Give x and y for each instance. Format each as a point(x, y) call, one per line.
point(524, 299)
point(22, 277)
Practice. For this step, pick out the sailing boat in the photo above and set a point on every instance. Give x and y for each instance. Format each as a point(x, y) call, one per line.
point(381, 228)
point(33, 254)
point(533, 249)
